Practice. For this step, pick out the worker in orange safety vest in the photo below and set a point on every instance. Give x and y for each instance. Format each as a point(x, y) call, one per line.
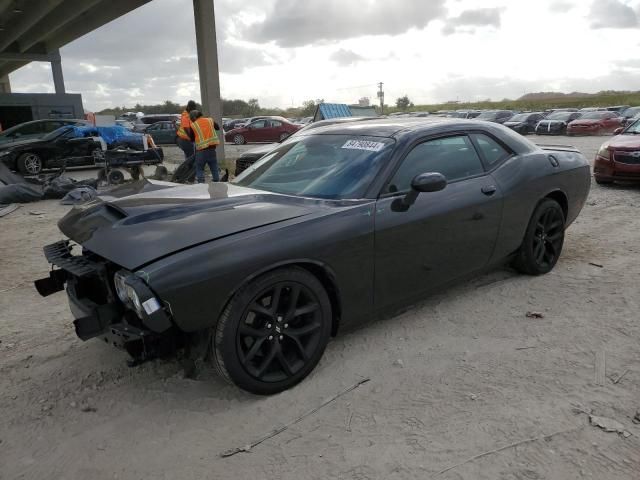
point(184, 131)
point(203, 133)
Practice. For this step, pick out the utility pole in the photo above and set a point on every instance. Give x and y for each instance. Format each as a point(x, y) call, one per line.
point(381, 97)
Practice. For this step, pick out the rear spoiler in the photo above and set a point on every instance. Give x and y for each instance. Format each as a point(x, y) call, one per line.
point(562, 148)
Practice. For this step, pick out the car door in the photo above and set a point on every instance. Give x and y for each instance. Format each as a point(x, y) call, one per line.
point(274, 130)
point(443, 235)
point(256, 131)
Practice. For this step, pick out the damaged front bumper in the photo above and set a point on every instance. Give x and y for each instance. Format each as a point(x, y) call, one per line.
point(95, 305)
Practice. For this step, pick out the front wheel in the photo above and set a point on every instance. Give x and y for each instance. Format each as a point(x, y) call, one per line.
point(238, 139)
point(273, 332)
point(30, 164)
point(600, 181)
point(543, 239)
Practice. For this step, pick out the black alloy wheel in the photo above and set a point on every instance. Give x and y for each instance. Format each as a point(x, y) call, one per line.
point(273, 332)
point(543, 240)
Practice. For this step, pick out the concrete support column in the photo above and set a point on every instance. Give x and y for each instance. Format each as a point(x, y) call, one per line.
point(56, 70)
point(5, 84)
point(207, 45)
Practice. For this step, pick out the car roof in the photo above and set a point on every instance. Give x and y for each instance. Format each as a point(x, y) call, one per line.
point(394, 127)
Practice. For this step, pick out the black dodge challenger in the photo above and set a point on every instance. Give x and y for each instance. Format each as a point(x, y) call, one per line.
point(331, 229)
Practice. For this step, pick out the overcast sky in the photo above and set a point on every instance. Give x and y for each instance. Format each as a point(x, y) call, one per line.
point(286, 51)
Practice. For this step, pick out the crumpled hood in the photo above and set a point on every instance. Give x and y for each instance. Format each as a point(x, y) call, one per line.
point(164, 218)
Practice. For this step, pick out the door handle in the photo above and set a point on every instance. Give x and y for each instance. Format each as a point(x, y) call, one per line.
point(489, 190)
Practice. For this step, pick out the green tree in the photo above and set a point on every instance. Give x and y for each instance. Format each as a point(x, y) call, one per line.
point(253, 106)
point(403, 103)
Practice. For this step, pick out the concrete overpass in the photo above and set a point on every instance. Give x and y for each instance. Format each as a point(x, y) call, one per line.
point(35, 30)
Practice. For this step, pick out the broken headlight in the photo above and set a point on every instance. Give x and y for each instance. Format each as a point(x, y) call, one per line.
point(132, 291)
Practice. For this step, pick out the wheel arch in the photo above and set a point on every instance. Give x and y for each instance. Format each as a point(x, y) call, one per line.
point(325, 275)
point(560, 197)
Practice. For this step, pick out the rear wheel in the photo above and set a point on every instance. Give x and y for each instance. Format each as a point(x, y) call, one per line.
point(543, 239)
point(273, 332)
point(600, 181)
point(30, 164)
point(283, 136)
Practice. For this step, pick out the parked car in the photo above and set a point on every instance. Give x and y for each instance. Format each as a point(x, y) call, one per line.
point(524, 123)
point(246, 159)
point(595, 123)
point(70, 146)
point(630, 112)
point(36, 129)
point(272, 129)
point(231, 124)
point(495, 116)
point(163, 133)
point(59, 147)
point(556, 123)
point(618, 159)
point(126, 124)
point(618, 108)
point(334, 228)
point(143, 123)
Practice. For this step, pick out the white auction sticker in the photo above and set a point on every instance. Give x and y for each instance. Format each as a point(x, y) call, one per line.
point(363, 145)
point(150, 306)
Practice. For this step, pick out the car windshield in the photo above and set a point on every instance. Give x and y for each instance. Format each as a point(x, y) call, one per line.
point(523, 117)
point(562, 116)
point(487, 115)
point(56, 133)
point(594, 115)
point(320, 166)
point(633, 129)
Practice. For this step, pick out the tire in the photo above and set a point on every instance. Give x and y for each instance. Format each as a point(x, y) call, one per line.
point(283, 136)
point(30, 164)
point(115, 177)
point(543, 239)
point(602, 182)
point(239, 139)
point(264, 348)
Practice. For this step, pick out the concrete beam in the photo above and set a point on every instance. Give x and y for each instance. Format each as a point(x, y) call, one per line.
point(31, 57)
point(57, 19)
point(56, 71)
point(35, 11)
point(206, 42)
point(4, 4)
point(7, 67)
point(94, 18)
point(5, 84)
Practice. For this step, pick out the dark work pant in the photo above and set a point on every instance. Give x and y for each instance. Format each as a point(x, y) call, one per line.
point(187, 147)
point(207, 157)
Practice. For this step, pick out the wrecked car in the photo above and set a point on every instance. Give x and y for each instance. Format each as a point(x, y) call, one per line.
point(331, 229)
point(69, 146)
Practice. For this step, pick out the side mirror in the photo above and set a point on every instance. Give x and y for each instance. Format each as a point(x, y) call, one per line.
point(618, 131)
point(423, 183)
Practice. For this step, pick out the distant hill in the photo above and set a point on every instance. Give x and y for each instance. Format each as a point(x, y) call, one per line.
point(544, 96)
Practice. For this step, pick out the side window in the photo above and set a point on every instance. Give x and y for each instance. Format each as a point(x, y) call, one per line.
point(492, 151)
point(276, 124)
point(32, 129)
point(453, 157)
point(259, 124)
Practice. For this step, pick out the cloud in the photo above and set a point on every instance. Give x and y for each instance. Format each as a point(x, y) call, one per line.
point(294, 23)
point(612, 14)
point(561, 6)
point(481, 17)
point(344, 57)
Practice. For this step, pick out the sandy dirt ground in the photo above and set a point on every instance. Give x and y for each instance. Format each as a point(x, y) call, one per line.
point(464, 382)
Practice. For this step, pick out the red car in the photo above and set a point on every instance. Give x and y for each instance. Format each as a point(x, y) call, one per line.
point(619, 158)
point(595, 123)
point(272, 129)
